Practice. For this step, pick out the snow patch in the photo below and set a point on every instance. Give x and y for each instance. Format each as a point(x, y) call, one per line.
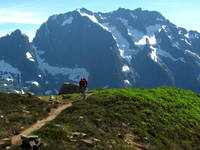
point(153, 54)
point(68, 21)
point(144, 39)
point(159, 52)
point(150, 36)
point(122, 44)
point(170, 37)
point(125, 68)
point(134, 33)
point(92, 18)
point(188, 42)
point(164, 27)
point(9, 79)
point(19, 91)
point(193, 54)
point(127, 82)
point(187, 35)
point(29, 56)
point(33, 83)
point(73, 74)
point(16, 91)
point(5, 84)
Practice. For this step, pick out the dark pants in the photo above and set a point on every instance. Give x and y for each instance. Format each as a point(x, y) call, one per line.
point(82, 89)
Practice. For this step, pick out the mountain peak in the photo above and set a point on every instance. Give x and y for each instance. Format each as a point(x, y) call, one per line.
point(145, 49)
point(138, 10)
point(84, 10)
point(16, 32)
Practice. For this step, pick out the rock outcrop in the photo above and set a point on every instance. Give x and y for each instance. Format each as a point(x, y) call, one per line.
point(31, 142)
point(67, 88)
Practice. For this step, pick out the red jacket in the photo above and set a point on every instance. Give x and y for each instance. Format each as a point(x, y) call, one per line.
point(83, 83)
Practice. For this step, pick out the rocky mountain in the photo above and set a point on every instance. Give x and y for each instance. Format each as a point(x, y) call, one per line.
point(123, 48)
point(18, 67)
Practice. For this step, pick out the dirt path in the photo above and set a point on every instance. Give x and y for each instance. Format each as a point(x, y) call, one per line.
point(87, 95)
point(16, 140)
point(1, 142)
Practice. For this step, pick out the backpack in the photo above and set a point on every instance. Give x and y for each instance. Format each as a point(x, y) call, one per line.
point(86, 82)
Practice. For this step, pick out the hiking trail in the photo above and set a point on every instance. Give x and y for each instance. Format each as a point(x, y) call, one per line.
point(16, 139)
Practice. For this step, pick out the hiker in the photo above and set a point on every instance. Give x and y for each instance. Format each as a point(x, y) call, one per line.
point(82, 86)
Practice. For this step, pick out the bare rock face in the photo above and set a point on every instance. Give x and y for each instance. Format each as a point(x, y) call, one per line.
point(69, 89)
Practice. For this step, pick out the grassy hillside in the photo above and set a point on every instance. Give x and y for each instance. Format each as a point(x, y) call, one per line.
point(17, 112)
point(126, 119)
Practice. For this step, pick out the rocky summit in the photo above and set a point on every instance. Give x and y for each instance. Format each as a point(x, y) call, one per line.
point(123, 48)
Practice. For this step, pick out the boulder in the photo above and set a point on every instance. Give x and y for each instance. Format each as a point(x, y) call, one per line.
point(78, 134)
point(30, 94)
point(51, 98)
point(67, 88)
point(4, 143)
point(30, 142)
point(90, 141)
point(57, 101)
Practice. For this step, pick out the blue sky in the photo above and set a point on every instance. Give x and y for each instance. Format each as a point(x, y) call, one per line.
point(27, 15)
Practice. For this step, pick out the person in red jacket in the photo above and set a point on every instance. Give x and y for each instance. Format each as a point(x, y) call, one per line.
point(83, 83)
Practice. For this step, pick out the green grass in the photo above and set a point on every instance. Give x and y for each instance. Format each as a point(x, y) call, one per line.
point(17, 112)
point(158, 119)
